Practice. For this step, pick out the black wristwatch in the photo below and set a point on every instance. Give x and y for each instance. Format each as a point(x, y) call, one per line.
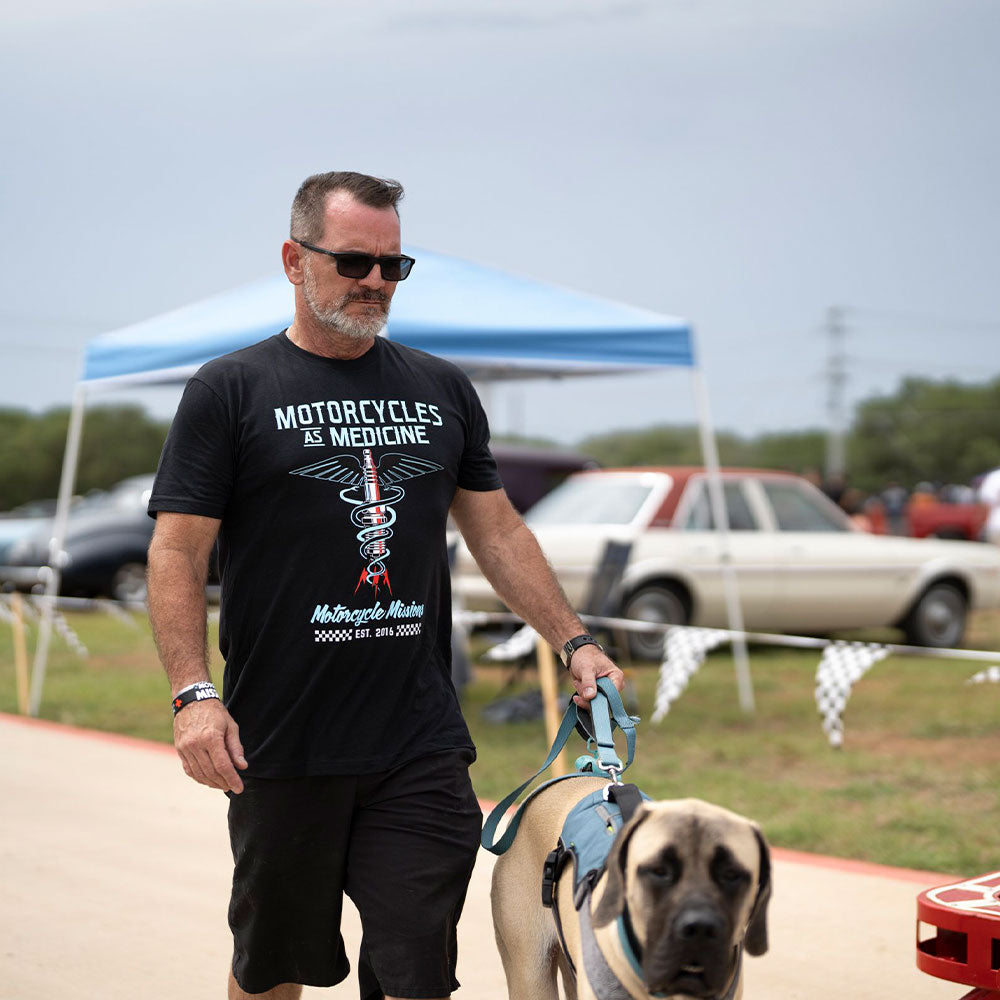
point(569, 648)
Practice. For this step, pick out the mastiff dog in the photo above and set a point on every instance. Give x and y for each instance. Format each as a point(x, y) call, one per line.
point(683, 892)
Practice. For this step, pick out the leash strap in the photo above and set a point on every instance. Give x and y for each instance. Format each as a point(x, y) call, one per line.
point(605, 704)
point(610, 712)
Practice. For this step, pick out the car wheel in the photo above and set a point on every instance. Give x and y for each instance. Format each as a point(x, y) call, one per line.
point(129, 583)
point(938, 617)
point(660, 603)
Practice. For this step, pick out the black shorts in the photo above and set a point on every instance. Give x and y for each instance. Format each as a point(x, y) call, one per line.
point(401, 844)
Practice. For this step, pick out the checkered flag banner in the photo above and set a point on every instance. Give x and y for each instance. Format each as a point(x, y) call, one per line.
point(842, 665)
point(521, 643)
point(684, 652)
point(991, 675)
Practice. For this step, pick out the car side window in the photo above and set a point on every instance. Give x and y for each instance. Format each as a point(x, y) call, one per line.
point(738, 511)
point(795, 510)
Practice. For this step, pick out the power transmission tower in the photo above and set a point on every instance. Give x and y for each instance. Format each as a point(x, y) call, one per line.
point(836, 402)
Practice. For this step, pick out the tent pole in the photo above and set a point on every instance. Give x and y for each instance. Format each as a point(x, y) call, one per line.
point(67, 481)
point(730, 584)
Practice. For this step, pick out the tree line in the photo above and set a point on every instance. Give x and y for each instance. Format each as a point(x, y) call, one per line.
point(118, 441)
point(931, 431)
point(927, 431)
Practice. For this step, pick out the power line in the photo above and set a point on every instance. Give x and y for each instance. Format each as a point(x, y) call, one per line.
point(919, 319)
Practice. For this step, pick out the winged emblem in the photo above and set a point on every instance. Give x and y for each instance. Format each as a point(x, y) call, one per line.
point(372, 489)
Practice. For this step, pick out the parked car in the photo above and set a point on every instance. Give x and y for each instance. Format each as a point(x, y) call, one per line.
point(529, 472)
point(106, 541)
point(21, 521)
point(800, 564)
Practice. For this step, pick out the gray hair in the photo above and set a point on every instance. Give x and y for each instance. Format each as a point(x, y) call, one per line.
point(309, 205)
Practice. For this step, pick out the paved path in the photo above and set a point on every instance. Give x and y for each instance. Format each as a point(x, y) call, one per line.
point(115, 879)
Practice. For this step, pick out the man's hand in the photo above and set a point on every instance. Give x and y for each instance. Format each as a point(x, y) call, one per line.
point(589, 663)
point(207, 740)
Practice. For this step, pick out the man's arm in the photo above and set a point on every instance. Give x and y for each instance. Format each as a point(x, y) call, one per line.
point(205, 734)
point(510, 558)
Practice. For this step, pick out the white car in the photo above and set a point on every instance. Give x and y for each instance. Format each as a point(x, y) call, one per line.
point(801, 565)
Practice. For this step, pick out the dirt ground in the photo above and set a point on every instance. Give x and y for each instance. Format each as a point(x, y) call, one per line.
point(116, 873)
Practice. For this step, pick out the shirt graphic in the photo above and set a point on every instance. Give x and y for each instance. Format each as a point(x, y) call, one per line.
point(372, 489)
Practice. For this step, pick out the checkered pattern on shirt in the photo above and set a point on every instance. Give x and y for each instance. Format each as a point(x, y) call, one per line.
point(334, 634)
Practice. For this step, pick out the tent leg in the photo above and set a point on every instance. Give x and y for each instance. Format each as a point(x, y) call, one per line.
point(67, 481)
point(730, 584)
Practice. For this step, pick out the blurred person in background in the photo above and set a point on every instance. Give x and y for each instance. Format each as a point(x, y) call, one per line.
point(894, 498)
point(989, 493)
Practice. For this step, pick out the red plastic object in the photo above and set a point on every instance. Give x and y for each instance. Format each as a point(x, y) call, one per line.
point(966, 945)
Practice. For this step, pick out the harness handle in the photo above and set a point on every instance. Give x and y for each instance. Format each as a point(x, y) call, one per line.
point(605, 707)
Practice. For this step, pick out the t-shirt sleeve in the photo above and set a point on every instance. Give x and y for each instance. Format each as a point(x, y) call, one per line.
point(197, 467)
point(478, 468)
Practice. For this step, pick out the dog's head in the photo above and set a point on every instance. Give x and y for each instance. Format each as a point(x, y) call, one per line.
point(694, 881)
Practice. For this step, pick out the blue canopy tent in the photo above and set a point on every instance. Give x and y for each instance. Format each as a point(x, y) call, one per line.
point(492, 324)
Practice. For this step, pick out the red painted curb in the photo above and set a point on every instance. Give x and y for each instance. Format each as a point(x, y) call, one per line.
point(69, 729)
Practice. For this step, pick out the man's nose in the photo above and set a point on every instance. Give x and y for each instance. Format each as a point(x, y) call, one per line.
point(373, 279)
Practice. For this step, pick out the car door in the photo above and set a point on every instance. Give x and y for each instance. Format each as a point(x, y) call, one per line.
point(701, 553)
point(831, 576)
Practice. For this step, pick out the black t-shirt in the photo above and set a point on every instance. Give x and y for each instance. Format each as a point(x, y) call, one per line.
point(332, 480)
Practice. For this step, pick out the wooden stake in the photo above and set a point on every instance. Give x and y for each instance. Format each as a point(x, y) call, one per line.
point(20, 652)
point(548, 677)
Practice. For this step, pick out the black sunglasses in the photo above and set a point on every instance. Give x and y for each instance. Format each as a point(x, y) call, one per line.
point(395, 267)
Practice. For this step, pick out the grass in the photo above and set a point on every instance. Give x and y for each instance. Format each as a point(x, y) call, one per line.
point(914, 785)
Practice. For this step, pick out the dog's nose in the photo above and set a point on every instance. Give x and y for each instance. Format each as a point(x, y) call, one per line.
point(698, 923)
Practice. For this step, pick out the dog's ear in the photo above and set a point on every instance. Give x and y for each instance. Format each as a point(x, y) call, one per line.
point(756, 939)
point(613, 899)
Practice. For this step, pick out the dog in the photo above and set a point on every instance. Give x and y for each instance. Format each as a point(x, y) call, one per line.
point(685, 889)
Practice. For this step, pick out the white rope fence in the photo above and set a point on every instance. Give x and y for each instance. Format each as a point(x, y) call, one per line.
point(842, 664)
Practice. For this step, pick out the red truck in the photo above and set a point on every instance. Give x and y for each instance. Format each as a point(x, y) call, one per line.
point(937, 519)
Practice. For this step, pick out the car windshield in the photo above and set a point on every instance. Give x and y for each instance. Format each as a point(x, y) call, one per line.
point(591, 500)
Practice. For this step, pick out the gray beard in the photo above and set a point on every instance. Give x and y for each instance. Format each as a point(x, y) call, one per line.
point(337, 320)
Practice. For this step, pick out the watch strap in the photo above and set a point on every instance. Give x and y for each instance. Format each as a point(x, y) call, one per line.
point(572, 645)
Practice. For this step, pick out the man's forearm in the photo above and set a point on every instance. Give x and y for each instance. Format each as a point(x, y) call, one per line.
point(178, 615)
point(522, 578)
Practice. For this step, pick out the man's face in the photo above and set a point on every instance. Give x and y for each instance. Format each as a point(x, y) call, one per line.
point(357, 308)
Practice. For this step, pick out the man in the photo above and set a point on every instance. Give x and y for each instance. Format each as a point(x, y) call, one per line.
point(326, 460)
point(989, 493)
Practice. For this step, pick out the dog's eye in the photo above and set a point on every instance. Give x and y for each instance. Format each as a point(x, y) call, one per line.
point(731, 878)
point(660, 873)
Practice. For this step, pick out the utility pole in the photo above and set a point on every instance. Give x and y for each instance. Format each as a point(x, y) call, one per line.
point(836, 404)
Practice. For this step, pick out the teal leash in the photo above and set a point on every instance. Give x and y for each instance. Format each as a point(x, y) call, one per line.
point(597, 725)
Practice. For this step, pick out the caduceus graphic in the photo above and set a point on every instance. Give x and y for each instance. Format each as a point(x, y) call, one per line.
point(371, 490)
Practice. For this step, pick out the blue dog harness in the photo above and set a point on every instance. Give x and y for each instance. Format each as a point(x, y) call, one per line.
point(588, 833)
point(588, 830)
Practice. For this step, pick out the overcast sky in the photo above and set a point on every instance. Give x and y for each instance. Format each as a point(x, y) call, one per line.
point(746, 165)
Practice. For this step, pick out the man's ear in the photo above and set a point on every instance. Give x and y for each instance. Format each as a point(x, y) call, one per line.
point(756, 939)
point(612, 901)
point(291, 261)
